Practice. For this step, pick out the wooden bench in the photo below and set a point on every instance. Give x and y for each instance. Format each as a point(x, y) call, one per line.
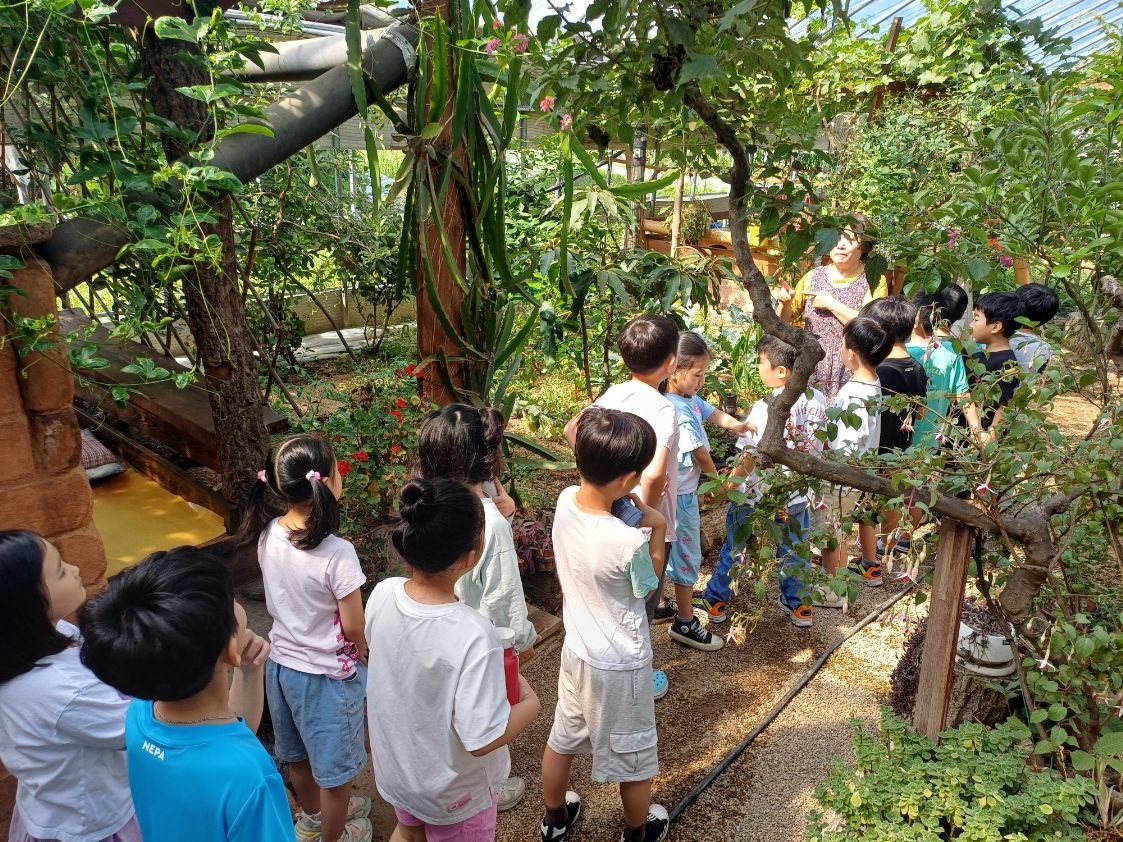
point(178, 418)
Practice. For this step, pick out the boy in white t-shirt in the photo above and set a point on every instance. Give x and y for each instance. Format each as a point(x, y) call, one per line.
point(606, 569)
point(808, 413)
point(649, 348)
point(855, 429)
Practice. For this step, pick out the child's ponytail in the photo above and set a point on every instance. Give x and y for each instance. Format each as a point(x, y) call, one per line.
point(460, 442)
point(27, 634)
point(294, 475)
point(493, 424)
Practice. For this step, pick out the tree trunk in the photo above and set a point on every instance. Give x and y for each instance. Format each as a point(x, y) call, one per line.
point(431, 337)
point(973, 699)
point(215, 309)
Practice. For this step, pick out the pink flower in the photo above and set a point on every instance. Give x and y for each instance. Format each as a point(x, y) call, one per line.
point(546, 104)
point(1006, 260)
point(941, 438)
point(519, 43)
point(491, 46)
point(982, 489)
point(953, 237)
point(566, 122)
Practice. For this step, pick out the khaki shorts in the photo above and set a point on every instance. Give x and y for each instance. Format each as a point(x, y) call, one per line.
point(609, 714)
point(833, 505)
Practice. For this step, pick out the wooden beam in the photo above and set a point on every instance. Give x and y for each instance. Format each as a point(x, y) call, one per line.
point(953, 556)
point(890, 47)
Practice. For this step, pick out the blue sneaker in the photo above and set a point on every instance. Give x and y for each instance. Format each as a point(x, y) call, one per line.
point(661, 685)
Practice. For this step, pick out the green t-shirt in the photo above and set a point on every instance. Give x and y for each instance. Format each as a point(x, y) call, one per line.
point(947, 379)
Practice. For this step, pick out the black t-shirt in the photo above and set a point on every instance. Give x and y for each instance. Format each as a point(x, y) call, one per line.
point(899, 376)
point(1005, 364)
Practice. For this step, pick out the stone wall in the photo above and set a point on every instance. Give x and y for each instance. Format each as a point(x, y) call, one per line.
point(42, 484)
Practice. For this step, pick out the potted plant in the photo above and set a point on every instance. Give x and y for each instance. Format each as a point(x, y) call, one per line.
point(983, 647)
point(533, 542)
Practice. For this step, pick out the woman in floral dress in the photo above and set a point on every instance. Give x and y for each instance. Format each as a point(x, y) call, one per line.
point(827, 298)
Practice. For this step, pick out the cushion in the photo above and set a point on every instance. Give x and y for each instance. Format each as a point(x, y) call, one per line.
point(98, 460)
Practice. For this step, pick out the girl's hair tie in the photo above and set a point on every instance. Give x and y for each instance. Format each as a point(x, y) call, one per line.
point(261, 476)
point(311, 475)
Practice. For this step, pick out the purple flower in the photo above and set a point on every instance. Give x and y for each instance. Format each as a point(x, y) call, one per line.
point(566, 122)
point(953, 237)
point(546, 104)
point(519, 43)
point(1006, 260)
point(491, 46)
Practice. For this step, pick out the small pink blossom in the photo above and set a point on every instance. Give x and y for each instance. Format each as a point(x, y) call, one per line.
point(941, 438)
point(982, 489)
point(566, 122)
point(546, 104)
point(1006, 260)
point(519, 43)
point(491, 46)
point(953, 237)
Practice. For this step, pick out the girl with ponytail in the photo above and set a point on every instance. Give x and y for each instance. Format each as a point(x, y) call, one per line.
point(439, 715)
point(315, 678)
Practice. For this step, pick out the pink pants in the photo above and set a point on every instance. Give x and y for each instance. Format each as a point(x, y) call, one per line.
point(477, 828)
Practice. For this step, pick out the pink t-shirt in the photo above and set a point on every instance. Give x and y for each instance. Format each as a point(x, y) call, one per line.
point(657, 410)
point(302, 588)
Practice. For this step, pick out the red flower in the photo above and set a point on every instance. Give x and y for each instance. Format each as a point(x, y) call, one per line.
point(402, 403)
point(395, 448)
point(397, 413)
point(360, 455)
point(343, 467)
point(412, 370)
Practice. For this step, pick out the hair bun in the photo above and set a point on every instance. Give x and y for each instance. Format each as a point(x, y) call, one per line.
point(418, 497)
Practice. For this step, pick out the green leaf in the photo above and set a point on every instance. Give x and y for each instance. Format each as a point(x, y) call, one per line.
point(1082, 761)
point(639, 189)
point(1110, 744)
point(977, 269)
point(698, 67)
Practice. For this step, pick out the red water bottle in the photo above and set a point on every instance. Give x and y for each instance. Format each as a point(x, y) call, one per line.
point(510, 664)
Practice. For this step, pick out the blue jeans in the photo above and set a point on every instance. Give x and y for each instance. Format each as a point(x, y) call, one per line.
point(798, 522)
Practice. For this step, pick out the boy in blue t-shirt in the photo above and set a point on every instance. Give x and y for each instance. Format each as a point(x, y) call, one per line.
point(169, 630)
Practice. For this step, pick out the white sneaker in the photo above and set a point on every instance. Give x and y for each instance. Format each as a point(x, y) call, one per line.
point(308, 827)
point(510, 793)
point(826, 598)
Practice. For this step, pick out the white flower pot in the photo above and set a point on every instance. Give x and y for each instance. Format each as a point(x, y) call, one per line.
point(984, 654)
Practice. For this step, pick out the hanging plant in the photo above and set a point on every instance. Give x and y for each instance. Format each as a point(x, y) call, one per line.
point(696, 221)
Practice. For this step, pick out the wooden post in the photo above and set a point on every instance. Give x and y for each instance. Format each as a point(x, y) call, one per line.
point(890, 47)
point(1021, 271)
point(953, 555)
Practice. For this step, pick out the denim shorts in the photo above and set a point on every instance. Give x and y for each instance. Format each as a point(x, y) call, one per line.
point(319, 719)
point(685, 558)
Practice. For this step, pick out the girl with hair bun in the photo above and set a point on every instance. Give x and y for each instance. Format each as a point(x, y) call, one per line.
point(438, 712)
point(461, 442)
point(314, 680)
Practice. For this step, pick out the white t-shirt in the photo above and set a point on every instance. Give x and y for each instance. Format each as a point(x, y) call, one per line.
point(605, 571)
point(808, 415)
point(1032, 352)
point(435, 693)
point(302, 589)
point(658, 411)
point(854, 398)
point(62, 735)
point(494, 587)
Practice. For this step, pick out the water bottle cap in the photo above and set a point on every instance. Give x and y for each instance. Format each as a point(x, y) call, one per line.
point(506, 637)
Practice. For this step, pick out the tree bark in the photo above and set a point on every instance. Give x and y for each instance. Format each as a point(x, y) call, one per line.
point(215, 310)
point(432, 340)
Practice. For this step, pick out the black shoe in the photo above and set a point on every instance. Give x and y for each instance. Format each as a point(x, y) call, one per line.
point(665, 611)
point(553, 833)
point(693, 633)
point(658, 825)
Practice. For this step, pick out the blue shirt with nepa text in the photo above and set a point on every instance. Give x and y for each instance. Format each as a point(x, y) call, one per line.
point(211, 781)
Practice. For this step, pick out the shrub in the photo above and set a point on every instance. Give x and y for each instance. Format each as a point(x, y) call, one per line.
point(976, 786)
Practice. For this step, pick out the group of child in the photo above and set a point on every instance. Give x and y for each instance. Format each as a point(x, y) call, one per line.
point(129, 726)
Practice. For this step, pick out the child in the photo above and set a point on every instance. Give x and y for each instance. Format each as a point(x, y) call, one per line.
point(899, 374)
point(808, 414)
point(314, 679)
point(649, 349)
point(693, 461)
point(606, 569)
point(438, 711)
point(1039, 305)
point(167, 632)
point(461, 442)
point(865, 343)
point(995, 320)
point(62, 732)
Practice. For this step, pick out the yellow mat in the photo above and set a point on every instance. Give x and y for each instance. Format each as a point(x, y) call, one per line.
point(136, 517)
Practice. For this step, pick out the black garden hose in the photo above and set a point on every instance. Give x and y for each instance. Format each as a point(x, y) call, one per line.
point(726, 761)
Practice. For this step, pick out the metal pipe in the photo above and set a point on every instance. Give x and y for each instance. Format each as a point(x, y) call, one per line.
point(80, 247)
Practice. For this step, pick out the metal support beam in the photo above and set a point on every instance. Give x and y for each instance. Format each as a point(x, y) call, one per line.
point(80, 247)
